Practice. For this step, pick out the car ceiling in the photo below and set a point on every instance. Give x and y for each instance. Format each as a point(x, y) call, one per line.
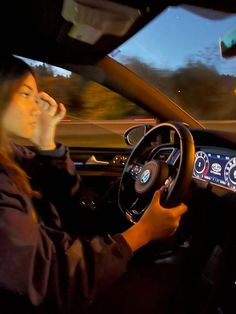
point(37, 30)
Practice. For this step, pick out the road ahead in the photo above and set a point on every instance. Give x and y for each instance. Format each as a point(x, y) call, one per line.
point(110, 133)
point(119, 126)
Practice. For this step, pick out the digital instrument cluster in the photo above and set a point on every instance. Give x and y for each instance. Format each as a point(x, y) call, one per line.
point(216, 166)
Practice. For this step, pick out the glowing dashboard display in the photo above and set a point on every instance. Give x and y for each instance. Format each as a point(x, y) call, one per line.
point(219, 168)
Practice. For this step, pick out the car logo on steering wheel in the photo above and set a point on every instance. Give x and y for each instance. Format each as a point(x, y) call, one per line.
point(145, 176)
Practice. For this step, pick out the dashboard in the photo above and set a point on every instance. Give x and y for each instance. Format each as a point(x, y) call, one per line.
point(212, 164)
point(215, 155)
point(216, 165)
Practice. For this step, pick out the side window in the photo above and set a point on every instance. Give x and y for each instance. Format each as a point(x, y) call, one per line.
point(96, 116)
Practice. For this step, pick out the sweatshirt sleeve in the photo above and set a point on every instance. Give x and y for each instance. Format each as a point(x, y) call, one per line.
point(49, 269)
point(53, 173)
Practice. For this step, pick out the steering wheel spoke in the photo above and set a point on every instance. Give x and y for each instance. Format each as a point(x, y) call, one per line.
point(137, 208)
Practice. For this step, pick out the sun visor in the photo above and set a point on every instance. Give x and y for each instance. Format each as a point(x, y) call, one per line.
point(92, 19)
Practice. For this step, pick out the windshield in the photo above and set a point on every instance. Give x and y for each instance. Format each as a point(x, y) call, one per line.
point(178, 52)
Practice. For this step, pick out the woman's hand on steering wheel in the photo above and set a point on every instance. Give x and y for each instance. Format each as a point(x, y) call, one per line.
point(159, 222)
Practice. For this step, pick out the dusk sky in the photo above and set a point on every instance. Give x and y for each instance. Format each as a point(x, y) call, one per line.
point(56, 70)
point(175, 37)
point(178, 35)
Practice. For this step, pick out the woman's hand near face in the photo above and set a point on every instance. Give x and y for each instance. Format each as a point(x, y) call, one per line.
point(51, 114)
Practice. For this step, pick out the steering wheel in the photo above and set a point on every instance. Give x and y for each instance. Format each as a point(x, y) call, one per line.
point(163, 157)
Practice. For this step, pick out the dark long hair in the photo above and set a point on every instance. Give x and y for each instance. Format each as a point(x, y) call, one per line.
point(12, 71)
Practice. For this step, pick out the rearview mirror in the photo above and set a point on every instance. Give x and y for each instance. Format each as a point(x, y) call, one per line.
point(228, 44)
point(92, 19)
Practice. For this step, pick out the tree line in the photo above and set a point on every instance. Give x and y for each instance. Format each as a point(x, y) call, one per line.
point(196, 87)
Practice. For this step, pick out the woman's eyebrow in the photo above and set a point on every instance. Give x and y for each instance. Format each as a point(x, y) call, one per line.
point(29, 87)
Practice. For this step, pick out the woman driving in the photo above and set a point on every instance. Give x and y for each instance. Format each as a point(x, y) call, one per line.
point(42, 267)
